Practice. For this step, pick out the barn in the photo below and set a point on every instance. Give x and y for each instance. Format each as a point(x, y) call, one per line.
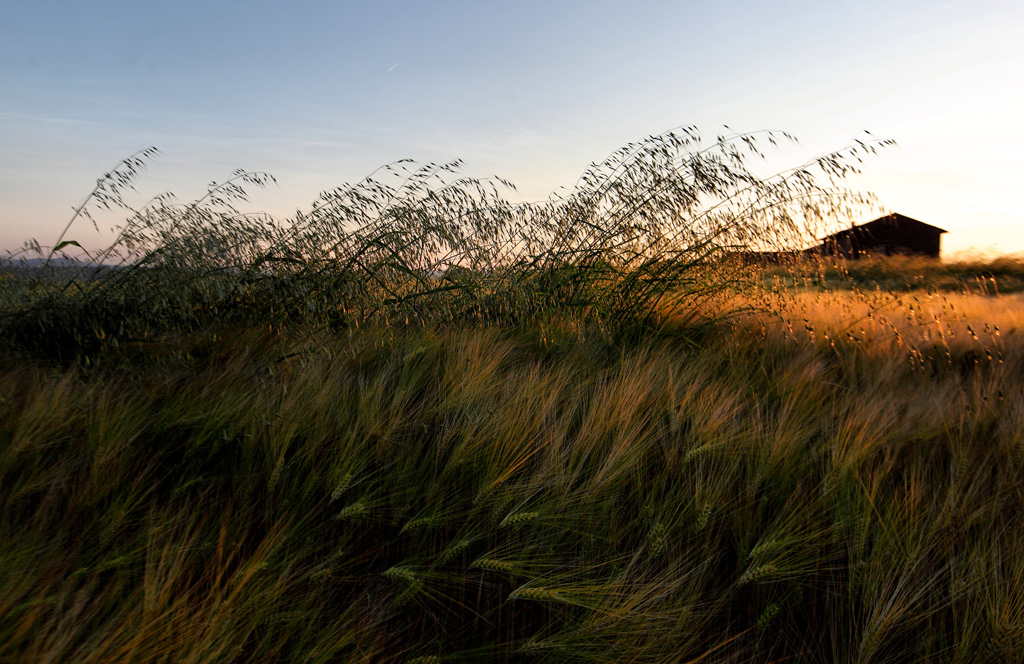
point(893, 234)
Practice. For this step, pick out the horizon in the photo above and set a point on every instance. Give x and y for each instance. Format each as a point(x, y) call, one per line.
point(320, 96)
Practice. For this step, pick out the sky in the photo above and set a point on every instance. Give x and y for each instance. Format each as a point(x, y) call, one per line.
point(322, 93)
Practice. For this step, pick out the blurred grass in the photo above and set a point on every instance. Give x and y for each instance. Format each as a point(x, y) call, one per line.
point(476, 494)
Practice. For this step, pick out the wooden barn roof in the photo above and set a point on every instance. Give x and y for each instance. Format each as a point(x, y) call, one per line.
point(891, 220)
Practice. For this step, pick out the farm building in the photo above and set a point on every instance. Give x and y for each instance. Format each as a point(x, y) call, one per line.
point(890, 235)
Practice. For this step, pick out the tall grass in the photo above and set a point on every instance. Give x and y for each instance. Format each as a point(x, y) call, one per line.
point(638, 238)
point(479, 495)
point(383, 431)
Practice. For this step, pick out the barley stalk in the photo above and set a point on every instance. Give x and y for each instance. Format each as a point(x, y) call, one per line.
point(493, 565)
point(518, 518)
point(353, 511)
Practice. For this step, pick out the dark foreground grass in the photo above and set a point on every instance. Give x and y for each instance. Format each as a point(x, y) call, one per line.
point(463, 494)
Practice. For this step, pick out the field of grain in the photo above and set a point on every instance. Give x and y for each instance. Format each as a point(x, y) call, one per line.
point(839, 484)
point(419, 424)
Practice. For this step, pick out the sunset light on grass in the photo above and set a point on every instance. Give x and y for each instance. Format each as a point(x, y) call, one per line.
point(463, 333)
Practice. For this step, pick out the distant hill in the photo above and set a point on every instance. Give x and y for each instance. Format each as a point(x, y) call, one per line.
point(60, 267)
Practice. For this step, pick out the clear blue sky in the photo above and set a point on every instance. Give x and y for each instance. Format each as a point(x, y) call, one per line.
point(321, 93)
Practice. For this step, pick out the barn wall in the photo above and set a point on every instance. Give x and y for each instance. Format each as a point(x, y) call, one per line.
point(890, 235)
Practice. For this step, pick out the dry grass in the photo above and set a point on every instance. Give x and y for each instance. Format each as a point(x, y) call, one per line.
point(925, 327)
